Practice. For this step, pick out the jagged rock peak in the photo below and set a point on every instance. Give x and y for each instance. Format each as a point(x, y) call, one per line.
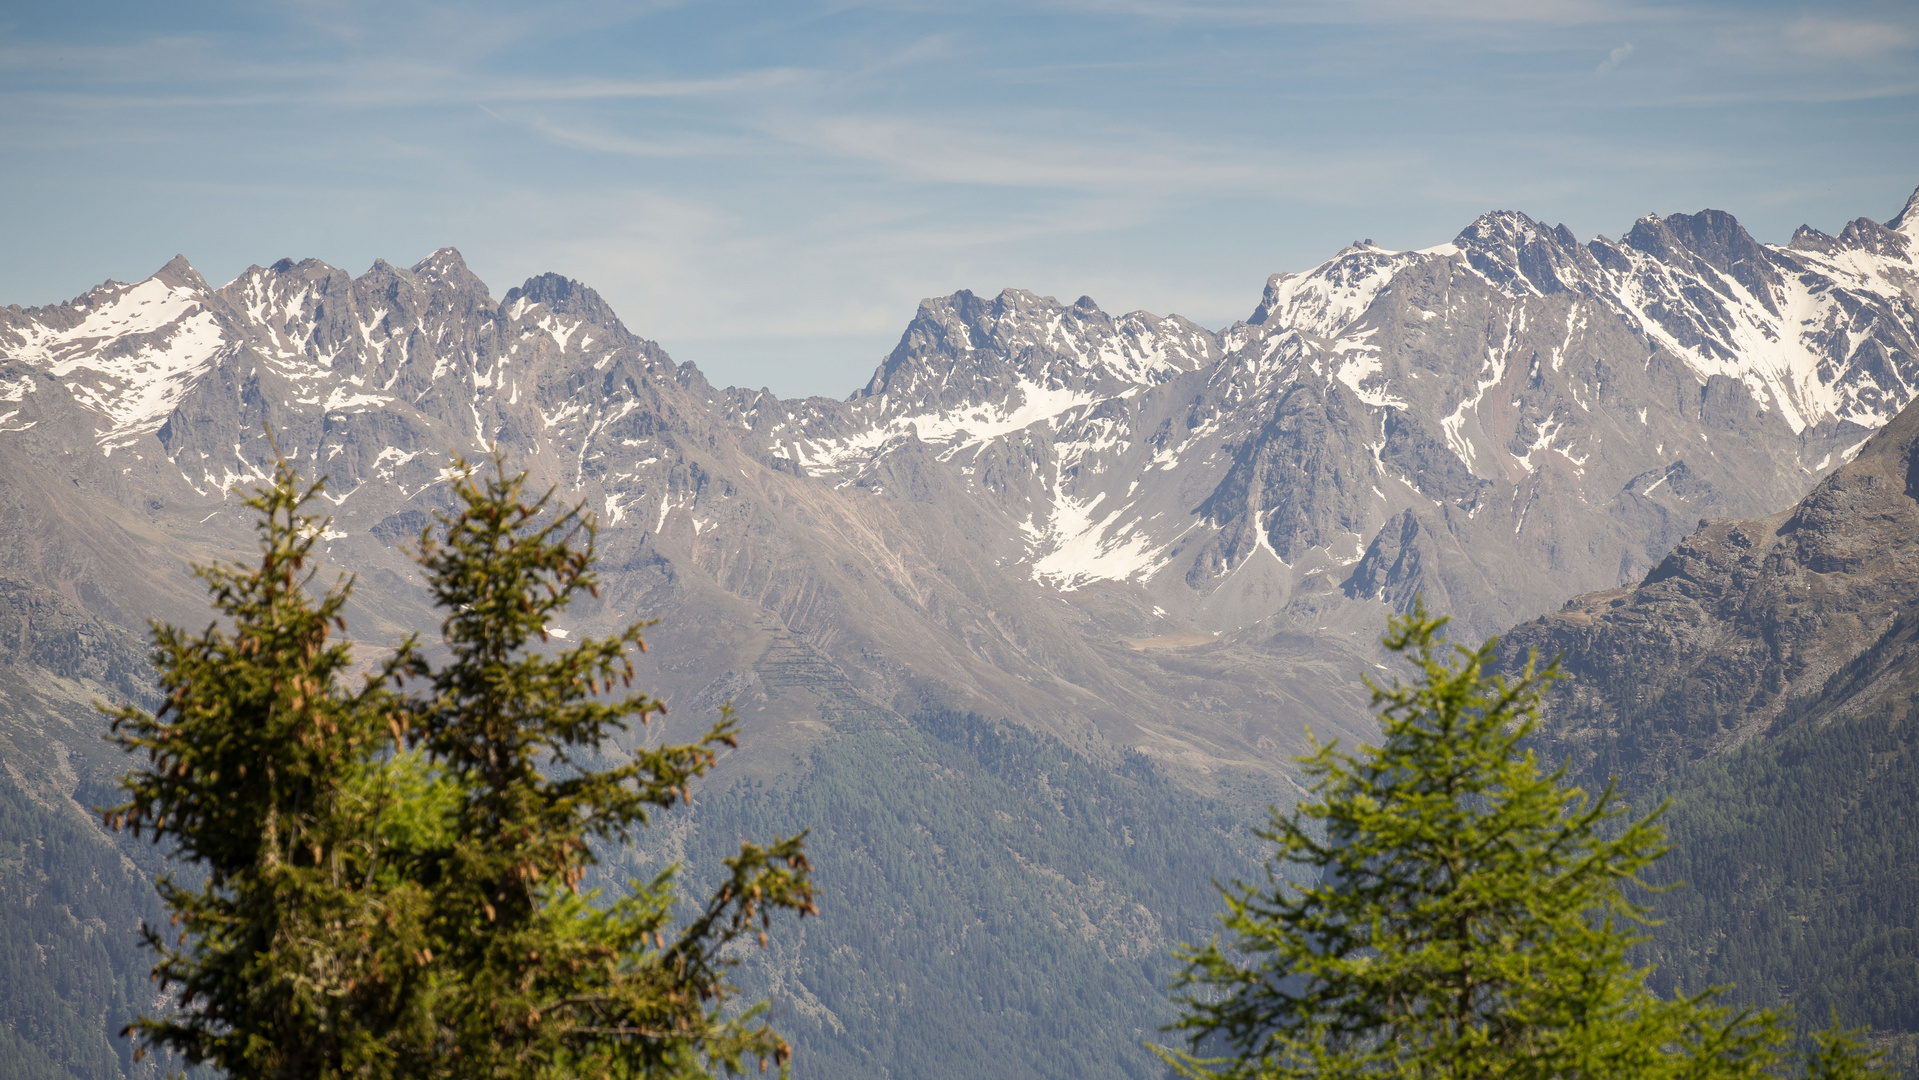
point(1807, 238)
point(310, 267)
point(1521, 255)
point(1868, 235)
point(565, 296)
point(448, 268)
point(180, 274)
point(383, 271)
point(1712, 237)
point(1508, 226)
point(963, 349)
point(1907, 220)
point(1517, 228)
point(445, 262)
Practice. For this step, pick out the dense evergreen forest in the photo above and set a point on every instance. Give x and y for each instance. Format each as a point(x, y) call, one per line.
point(64, 977)
point(72, 971)
point(987, 896)
point(1796, 857)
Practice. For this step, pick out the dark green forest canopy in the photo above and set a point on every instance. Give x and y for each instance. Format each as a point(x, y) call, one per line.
point(990, 901)
point(1797, 857)
point(1794, 870)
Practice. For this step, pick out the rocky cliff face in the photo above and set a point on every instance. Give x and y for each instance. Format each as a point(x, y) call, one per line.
point(1127, 530)
point(1744, 619)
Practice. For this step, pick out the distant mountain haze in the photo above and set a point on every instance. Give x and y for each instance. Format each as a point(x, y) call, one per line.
point(1148, 555)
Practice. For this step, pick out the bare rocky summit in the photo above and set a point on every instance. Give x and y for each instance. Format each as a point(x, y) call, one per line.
point(1127, 530)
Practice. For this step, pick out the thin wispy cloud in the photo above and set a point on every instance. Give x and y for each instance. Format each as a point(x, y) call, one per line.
point(108, 73)
point(606, 142)
point(1846, 39)
point(750, 82)
point(1257, 12)
point(1144, 162)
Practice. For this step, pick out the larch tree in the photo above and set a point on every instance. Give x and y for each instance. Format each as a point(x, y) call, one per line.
point(1469, 915)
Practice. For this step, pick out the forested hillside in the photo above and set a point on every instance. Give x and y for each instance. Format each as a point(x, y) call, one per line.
point(987, 895)
point(72, 971)
point(1763, 678)
point(1797, 857)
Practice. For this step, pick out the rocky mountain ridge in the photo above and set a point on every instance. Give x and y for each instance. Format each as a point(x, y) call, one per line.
point(1747, 624)
point(1127, 530)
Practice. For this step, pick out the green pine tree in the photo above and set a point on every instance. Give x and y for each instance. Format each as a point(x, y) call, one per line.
point(1843, 1054)
point(538, 979)
point(1469, 915)
point(263, 773)
point(392, 872)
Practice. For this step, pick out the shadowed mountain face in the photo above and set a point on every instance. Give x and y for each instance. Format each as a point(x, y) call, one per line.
point(1162, 552)
point(72, 972)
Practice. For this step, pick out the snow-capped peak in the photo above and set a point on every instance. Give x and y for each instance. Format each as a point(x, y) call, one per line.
point(1908, 219)
point(132, 353)
point(1328, 298)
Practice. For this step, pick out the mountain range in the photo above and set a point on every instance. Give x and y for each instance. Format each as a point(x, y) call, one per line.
point(1125, 530)
point(1157, 550)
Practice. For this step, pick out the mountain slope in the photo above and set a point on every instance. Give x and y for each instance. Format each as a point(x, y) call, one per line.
point(1154, 550)
point(1740, 620)
point(1764, 680)
point(1796, 856)
point(989, 900)
point(1126, 530)
point(72, 971)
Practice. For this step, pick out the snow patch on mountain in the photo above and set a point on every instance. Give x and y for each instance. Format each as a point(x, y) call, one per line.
point(1364, 373)
point(1330, 297)
point(1084, 545)
point(132, 356)
point(1786, 358)
point(1027, 404)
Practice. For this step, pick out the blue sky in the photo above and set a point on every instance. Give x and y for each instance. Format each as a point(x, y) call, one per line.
point(768, 188)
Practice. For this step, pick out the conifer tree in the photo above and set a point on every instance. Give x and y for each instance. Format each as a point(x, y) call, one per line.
point(539, 980)
point(392, 872)
point(262, 772)
point(1468, 914)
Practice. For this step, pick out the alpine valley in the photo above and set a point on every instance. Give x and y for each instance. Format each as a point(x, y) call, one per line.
point(1027, 629)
